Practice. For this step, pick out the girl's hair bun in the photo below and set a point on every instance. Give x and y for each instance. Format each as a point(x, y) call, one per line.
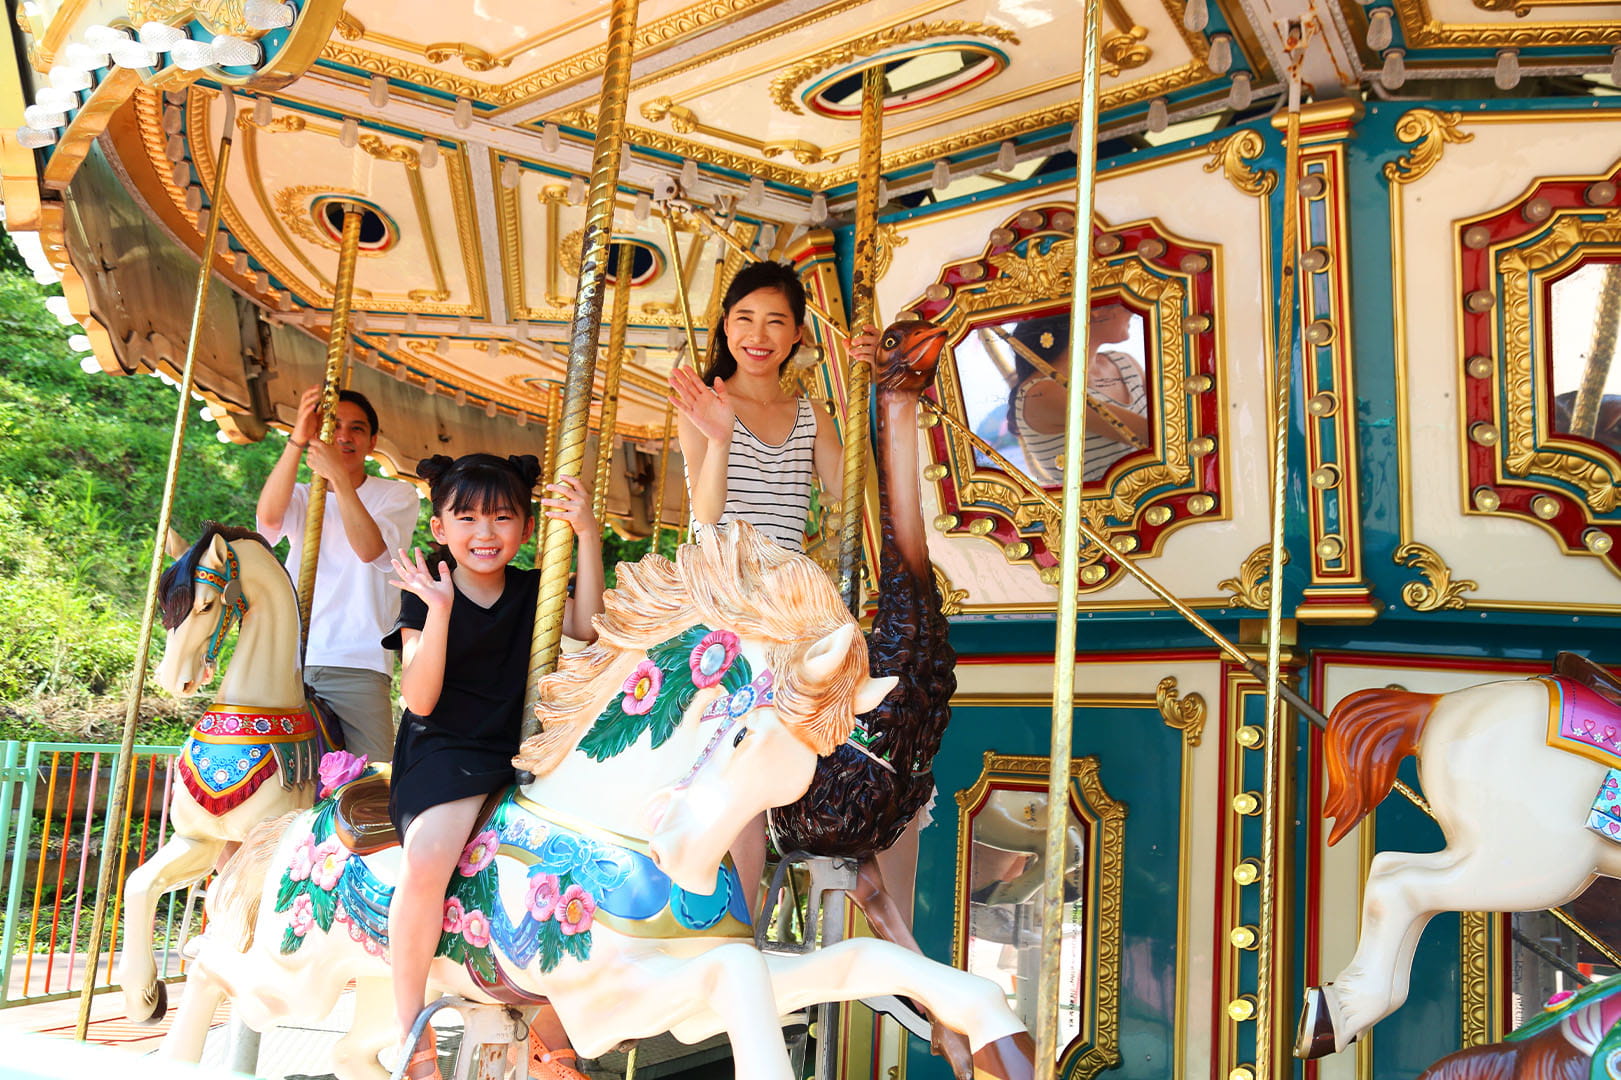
point(432, 468)
point(526, 466)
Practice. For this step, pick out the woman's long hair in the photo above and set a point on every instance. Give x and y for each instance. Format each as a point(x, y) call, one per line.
point(761, 275)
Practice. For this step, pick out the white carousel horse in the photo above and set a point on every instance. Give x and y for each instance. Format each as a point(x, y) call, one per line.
point(1515, 772)
point(259, 727)
point(603, 884)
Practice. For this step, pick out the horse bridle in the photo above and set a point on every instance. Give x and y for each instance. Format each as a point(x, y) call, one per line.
point(729, 709)
point(233, 605)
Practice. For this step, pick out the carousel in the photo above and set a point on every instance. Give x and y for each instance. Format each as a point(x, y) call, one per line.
point(1225, 571)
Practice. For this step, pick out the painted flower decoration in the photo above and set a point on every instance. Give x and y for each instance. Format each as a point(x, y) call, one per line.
point(303, 915)
point(476, 929)
point(479, 853)
point(712, 657)
point(454, 916)
point(303, 859)
point(339, 768)
point(328, 864)
point(542, 896)
point(576, 910)
point(642, 688)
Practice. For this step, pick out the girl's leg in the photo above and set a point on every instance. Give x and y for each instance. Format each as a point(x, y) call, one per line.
point(432, 846)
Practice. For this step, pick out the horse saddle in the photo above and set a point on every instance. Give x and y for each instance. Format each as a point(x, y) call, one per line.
point(361, 821)
point(1600, 680)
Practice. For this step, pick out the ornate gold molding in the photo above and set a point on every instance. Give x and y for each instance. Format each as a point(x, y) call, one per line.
point(1430, 131)
point(350, 28)
point(1230, 154)
point(472, 57)
point(847, 52)
point(1438, 591)
point(219, 16)
point(1185, 713)
point(1474, 982)
point(888, 239)
point(1422, 30)
point(951, 598)
point(1097, 1048)
point(1252, 588)
point(683, 121)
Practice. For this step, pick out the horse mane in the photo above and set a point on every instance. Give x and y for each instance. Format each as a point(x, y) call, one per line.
point(733, 579)
point(175, 586)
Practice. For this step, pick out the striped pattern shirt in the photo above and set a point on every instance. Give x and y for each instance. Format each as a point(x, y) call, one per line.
point(1042, 451)
point(769, 485)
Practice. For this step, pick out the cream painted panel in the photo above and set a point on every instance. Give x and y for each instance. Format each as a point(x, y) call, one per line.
point(1195, 557)
point(1504, 158)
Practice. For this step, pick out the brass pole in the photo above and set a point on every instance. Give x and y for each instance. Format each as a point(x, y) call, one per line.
point(118, 796)
point(610, 383)
point(1271, 966)
point(858, 377)
point(1584, 414)
point(584, 334)
point(554, 420)
point(1063, 716)
point(662, 487)
point(337, 363)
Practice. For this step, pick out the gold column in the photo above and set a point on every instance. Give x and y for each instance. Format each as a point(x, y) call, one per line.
point(858, 405)
point(1584, 416)
point(1063, 718)
point(662, 487)
point(337, 362)
point(118, 794)
point(554, 420)
point(610, 383)
point(553, 557)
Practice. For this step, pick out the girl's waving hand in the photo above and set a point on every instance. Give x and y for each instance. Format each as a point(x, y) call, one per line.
point(709, 409)
point(433, 587)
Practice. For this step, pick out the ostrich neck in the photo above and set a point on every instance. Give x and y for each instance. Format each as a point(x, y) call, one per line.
point(899, 494)
point(265, 668)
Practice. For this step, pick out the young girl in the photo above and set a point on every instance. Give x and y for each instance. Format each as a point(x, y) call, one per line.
point(751, 450)
point(464, 632)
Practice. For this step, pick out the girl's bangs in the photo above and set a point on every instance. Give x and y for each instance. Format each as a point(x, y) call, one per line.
point(489, 491)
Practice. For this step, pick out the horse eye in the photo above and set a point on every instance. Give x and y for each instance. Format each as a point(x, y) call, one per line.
point(738, 741)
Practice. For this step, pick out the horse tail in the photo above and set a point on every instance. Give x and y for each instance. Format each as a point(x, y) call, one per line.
point(233, 899)
point(1368, 735)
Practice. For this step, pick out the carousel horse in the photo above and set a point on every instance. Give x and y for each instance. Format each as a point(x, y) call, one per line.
point(603, 883)
point(260, 726)
point(1576, 1037)
point(1524, 778)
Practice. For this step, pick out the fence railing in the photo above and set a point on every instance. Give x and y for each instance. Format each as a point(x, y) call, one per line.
point(53, 823)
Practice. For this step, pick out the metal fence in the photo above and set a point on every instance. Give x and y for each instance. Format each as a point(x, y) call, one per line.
point(54, 827)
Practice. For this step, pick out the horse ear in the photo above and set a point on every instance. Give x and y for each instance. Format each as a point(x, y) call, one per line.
point(175, 544)
point(871, 694)
point(823, 659)
point(219, 548)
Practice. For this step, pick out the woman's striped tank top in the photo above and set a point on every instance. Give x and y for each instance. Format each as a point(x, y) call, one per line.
point(769, 486)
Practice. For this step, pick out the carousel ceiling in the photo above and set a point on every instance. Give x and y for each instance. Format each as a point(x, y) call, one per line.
point(466, 130)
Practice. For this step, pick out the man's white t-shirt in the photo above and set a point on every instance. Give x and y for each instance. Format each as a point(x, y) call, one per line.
point(354, 604)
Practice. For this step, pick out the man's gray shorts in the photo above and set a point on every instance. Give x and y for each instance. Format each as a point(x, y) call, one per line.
point(362, 701)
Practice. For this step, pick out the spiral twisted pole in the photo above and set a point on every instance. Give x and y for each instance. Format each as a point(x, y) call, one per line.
point(610, 382)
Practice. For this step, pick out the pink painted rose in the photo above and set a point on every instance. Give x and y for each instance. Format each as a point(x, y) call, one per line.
point(453, 916)
point(338, 768)
point(303, 859)
point(479, 853)
point(542, 896)
point(712, 657)
point(642, 688)
point(576, 910)
point(328, 865)
point(476, 929)
point(303, 915)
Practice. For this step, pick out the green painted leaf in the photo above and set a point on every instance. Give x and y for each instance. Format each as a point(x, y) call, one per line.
point(290, 942)
point(615, 730)
point(482, 963)
point(289, 892)
point(324, 905)
point(551, 946)
point(578, 945)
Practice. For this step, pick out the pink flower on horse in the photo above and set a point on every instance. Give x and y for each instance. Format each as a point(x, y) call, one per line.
point(339, 768)
point(303, 859)
point(576, 910)
point(541, 896)
point(328, 867)
point(642, 688)
point(476, 929)
point(712, 657)
point(454, 916)
point(479, 853)
point(303, 915)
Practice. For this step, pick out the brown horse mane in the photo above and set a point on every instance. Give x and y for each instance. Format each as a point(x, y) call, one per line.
point(733, 579)
point(175, 586)
point(1546, 1056)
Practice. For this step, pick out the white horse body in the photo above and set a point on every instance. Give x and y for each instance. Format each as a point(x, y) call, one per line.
point(1513, 811)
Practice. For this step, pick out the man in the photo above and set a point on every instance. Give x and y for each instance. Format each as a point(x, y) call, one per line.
point(366, 519)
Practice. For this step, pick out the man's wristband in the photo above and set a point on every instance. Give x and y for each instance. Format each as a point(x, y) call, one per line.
point(300, 445)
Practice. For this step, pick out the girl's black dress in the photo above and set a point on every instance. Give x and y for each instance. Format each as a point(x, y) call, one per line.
point(465, 746)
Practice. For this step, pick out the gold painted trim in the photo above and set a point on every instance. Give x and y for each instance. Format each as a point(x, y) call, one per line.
point(1230, 154)
point(1009, 700)
point(1474, 978)
point(1438, 591)
point(684, 121)
point(1097, 1047)
point(1184, 713)
point(1421, 30)
point(1252, 588)
point(1430, 131)
point(951, 598)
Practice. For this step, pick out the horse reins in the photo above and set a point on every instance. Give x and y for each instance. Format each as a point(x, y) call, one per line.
point(233, 605)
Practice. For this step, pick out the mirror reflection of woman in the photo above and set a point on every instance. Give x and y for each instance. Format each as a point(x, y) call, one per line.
point(1114, 381)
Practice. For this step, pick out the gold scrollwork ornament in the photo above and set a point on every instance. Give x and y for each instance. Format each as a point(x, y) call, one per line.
point(951, 598)
point(1230, 156)
point(1184, 712)
point(1438, 590)
point(1252, 588)
point(1429, 132)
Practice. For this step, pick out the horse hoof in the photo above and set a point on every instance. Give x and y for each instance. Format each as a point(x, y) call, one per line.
point(1314, 1038)
point(160, 1004)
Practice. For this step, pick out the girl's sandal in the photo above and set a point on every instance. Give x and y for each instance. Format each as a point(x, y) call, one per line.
point(424, 1061)
point(545, 1064)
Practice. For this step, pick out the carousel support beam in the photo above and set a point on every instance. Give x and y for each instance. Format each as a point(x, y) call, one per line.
point(611, 379)
point(681, 269)
point(337, 369)
point(1584, 416)
point(1063, 716)
point(584, 333)
point(118, 797)
point(858, 377)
